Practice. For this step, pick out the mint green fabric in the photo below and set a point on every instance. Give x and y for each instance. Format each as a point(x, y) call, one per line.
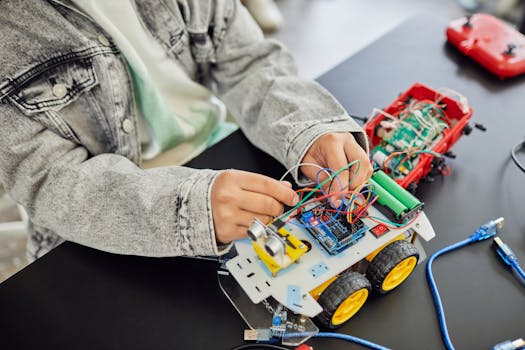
point(166, 131)
point(223, 130)
point(201, 126)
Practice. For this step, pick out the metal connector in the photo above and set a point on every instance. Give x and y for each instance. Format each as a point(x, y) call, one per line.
point(488, 230)
point(499, 223)
point(262, 335)
point(250, 334)
point(510, 345)
point(504, 251)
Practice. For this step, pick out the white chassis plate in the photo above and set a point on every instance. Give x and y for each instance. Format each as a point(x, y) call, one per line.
point(292, 285)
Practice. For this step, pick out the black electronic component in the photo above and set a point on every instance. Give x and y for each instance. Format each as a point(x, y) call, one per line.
point(480, 127)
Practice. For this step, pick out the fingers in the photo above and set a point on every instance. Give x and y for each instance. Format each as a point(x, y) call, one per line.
point(354, 151)
point(311, 171)
point(260, 204)
point(336, 150)
point(237, 227)
point(268, 186)
point(337, 161)
point(245, 218)
point(237, 197)
point(287, 184)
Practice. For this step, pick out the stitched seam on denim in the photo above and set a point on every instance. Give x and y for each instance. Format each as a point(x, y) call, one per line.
point(220, 33)
point(195, 179)
point(291, 138)
point(133, 107)
point(176, 42)
point(119, 138)
point(12, 84)
point(180, 202)
point(99, 114)
point(185, 203)
point(75, 90)
point(208, 205)
point(59, 124)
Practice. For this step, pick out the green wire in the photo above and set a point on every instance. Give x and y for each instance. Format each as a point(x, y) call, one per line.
point(387, 221)
point(330, 178)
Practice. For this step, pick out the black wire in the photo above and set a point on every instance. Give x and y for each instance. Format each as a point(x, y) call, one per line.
point(516, 148)
point(259, 346)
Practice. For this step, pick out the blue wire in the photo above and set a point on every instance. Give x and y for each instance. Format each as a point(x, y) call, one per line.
point(352, 339)
point(339, 209)
point(435, 292)
point(330, 171)
point(518, 270)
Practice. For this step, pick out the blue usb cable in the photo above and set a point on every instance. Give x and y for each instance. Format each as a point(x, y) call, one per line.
point(509, 258)
point(507, 255)
point(484, 232)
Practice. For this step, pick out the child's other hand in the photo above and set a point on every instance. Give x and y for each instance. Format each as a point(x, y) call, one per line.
point(334, 151)
point(237, 197)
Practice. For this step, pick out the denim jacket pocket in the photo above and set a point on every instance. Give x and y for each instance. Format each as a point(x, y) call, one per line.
point(44, 95)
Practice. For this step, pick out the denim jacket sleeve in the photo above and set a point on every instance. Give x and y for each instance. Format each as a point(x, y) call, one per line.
point(104, 201)
point(279, 112)
point(75, 186)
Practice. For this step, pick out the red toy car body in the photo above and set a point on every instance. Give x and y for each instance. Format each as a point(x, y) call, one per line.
point(491, 42)
point(456, 113)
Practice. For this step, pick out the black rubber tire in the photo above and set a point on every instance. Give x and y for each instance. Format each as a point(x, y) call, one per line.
point(386, 260)
point(340, 289)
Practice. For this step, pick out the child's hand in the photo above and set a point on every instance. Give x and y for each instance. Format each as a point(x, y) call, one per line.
point(237, 197)
point(335, 150)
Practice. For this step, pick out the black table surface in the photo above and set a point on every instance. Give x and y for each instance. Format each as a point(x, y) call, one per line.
point(80, 298)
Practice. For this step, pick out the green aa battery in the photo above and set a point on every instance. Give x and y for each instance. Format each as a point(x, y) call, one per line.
point(396, 190)
point(387, 200)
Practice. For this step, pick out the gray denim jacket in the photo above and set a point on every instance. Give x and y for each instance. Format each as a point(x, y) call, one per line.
point(69, 151)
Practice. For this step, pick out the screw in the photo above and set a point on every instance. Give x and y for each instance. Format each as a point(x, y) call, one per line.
point(510, 50)
point(468, 23)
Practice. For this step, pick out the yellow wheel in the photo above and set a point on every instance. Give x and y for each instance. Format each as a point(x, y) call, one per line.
point(349, 307)
point(342, 299)
point(392, 266)
point(399, 273)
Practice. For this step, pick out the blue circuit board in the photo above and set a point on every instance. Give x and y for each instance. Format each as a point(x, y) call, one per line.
point(334, 234)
